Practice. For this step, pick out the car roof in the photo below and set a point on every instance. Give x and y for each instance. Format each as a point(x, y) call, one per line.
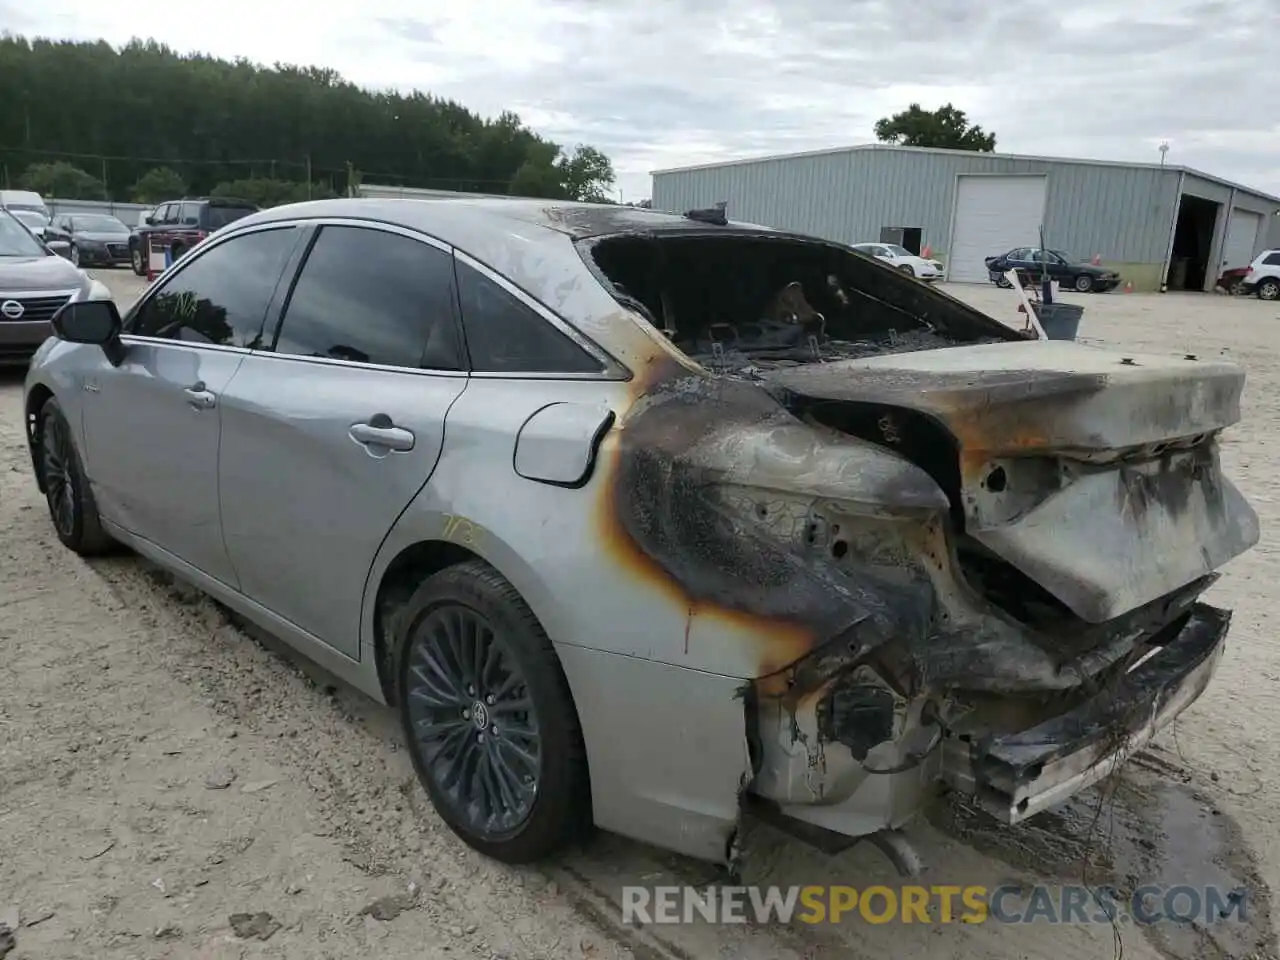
point(577, 221)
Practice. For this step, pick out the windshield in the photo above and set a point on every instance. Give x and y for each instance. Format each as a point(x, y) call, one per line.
point(898, 251)
point(221, 216)
point(29, 207)
point(16, 241)
point(98, 223)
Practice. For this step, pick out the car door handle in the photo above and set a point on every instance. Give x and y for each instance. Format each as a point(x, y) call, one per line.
point(199, 397)
point(381, 432)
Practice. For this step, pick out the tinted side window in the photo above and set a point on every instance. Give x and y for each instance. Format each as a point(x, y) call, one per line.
point(505, 336)
point(189, 214)
point(1273, 260)
point(221, 297)
point(373, 297)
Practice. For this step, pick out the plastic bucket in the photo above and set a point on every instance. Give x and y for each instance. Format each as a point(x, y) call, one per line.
point(1061, 321)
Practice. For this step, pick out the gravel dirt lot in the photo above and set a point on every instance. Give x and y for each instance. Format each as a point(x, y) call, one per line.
point(162, 770)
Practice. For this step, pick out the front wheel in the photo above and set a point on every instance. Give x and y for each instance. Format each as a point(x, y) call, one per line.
point(1084, 283)
point(66, 489)
point(488, 716)
point(1269, 289)
point(907, 269)
point(136, 261)
point(75, 255)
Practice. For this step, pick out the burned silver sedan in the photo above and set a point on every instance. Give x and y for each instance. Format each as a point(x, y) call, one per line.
point(652, 521)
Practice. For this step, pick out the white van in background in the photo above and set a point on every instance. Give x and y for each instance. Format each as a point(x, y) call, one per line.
point(24, 200)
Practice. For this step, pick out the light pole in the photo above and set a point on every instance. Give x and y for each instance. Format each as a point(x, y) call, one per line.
point(1164, 148)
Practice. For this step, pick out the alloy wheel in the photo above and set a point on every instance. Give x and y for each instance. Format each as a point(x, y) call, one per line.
point(1269, 290)
point(56, 454)
point(473, 720)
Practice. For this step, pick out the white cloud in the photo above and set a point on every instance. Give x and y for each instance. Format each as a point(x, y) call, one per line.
point(672, 82)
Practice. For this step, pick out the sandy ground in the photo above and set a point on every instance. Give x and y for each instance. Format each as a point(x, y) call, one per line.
point(161, 771)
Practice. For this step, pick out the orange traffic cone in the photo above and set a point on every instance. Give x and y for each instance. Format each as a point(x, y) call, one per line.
point(926, 251)
point(1128, 286)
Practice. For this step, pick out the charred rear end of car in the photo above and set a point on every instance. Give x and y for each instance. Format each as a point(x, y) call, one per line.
point(935, 554)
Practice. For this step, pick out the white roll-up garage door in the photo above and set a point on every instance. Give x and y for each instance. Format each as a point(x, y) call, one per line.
point(993, 214)
point(1242, 234)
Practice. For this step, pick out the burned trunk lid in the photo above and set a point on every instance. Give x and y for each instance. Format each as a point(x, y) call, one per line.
point(1094, 473)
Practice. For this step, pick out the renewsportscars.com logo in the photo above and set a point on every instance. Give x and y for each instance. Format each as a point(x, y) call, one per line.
point(940, 903)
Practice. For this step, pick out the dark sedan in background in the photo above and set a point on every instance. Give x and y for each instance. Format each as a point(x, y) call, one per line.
point(96, 239)
point(1032, 263)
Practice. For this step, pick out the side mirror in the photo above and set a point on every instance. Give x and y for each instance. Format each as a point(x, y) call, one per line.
point(60, 247)
point(91, 321)
point(149, 221)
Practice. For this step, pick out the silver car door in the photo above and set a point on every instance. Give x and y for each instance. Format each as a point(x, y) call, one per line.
point(152, 424)
point(330, 433)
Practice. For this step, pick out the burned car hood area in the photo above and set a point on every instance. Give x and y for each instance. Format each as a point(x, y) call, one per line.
point(948, 550)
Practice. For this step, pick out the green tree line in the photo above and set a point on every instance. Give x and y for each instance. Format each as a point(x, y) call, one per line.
point(145, 123)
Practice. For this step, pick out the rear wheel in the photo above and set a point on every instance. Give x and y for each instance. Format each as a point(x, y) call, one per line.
point(1084, 283)
point(488, 716)
point(66, 489)
point(75, 255)
point(1269, 289)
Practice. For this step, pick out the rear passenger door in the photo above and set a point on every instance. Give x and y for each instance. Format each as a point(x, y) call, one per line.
point(334, 426)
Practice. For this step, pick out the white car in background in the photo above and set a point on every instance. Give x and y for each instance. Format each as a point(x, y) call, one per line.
point(37, 223)
point(902, 259)
point(1263, 278)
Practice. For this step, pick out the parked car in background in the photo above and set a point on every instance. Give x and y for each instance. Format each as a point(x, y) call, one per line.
point(903, 259)
point(180, 224)
point(34, 221)
point(1032, 264)
point(96, 239)
point(653, 526)
point(34, 283)
point(1263, 278)
point(24, 200)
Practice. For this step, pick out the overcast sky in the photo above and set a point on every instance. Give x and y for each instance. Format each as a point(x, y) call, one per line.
point(662, 83)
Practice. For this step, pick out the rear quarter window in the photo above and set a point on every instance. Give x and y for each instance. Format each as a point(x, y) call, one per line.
point(1272, 260)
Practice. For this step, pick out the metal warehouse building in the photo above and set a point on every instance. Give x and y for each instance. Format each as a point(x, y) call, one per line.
point(1146, 220)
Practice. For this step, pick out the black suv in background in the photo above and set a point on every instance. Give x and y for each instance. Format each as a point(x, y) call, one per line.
point(181, 224)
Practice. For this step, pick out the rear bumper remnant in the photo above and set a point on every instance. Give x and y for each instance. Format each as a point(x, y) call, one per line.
point(1017, 775)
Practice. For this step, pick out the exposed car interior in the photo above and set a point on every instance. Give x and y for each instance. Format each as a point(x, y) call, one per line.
point(745, 302)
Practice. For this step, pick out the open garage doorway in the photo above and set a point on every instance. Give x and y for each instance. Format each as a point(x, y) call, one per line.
point(1192, 243)
point(908, 237)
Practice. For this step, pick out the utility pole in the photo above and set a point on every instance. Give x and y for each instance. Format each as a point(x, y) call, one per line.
point(308, 175)
point(104, 176)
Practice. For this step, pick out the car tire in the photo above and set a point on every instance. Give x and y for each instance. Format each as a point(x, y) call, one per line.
point(74, 255)
point(136, 260)
point(490, 725)
point(1083, 283)
point(1269, 288)
point(1003, 283)
point(908, 270)
point(71, 505)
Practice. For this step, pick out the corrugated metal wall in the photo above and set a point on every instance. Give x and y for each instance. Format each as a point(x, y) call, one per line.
point(1123, 213)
